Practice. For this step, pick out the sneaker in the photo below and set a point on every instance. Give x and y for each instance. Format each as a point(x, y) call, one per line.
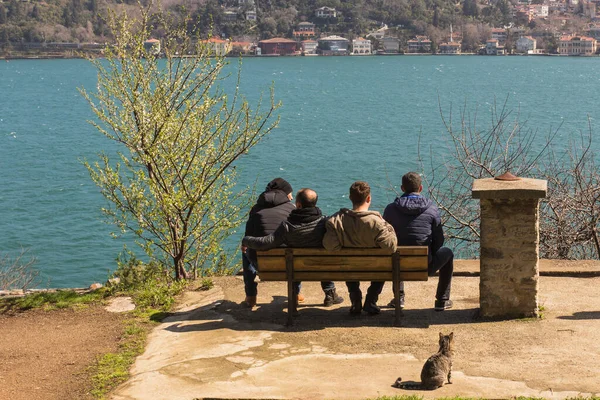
point(300, 298)
point(331, 298)
point(249, 302)
point(392, 303)
point(441, 305)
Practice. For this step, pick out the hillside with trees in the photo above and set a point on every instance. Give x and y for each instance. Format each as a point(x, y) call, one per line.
point(82, 21)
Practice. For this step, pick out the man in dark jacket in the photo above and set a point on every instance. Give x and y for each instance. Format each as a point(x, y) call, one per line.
point(271, 209)
point(304, 227)
point(417, 222)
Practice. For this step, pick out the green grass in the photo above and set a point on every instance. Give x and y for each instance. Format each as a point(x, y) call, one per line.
point(51, 300)
point(112, 369)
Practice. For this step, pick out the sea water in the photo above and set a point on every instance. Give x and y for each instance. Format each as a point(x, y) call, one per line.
point(342, 119)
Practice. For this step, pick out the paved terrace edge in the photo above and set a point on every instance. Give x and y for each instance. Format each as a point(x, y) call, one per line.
point(547, 267)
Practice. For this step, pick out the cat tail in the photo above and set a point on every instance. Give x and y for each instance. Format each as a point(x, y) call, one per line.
point(406, 385)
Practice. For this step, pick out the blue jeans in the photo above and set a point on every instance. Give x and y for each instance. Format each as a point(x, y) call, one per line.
point(442, 261)
point(250, 270)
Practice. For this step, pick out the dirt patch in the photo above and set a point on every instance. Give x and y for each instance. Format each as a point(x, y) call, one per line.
point(46, 354)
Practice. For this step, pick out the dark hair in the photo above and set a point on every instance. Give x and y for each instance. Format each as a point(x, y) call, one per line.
point(359, 191)
point(307, 197)
point(411, 182)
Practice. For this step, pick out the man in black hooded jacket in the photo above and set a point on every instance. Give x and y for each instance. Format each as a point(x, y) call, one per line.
point(271, 209)
point(304, 227)
point(416, 221)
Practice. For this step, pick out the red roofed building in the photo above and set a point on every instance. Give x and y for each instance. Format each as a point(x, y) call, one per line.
point(218, 46)
point(304, 30)
point(278, 46)
point(421, 44)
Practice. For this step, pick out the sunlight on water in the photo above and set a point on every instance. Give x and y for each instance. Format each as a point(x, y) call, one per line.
point(342, 119)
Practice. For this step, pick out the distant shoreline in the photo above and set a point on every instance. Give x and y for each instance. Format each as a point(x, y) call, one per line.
point(72, 57)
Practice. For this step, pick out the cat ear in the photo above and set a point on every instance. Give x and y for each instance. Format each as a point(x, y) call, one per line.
point(441, 335)
point(451, 335)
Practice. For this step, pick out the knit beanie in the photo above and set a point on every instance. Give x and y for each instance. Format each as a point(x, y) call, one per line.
point(279, 184)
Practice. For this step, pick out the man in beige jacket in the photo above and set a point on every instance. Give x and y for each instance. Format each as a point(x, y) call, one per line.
point(360, 227)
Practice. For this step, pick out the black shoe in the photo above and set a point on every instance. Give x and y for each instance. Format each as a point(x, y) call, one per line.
point(441, 305)
point(356, 299)
point(392, 303)
point(331, 298)
point(371, 305)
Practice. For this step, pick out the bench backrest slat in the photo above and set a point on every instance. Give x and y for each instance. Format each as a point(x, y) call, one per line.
point(314, 264)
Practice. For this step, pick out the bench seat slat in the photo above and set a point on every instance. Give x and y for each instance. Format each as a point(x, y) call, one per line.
point(407, 276)
point(272, 276)
point(403, 250)
point(349, 263)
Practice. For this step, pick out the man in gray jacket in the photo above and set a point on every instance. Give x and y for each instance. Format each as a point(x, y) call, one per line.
point(304, 227)
point(360, 227)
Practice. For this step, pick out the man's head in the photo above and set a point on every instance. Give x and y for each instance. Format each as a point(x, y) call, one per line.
point(280, 184)
point(306, 198)
point(411, 183)
point(360, 194)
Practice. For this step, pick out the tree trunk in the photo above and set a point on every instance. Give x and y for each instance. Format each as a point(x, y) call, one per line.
point(180, 272)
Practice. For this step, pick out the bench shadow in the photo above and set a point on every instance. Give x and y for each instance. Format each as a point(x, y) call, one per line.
point(582, 315)
point(273, 317)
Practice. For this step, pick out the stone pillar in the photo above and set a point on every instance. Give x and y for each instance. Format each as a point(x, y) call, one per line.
point(509, 250)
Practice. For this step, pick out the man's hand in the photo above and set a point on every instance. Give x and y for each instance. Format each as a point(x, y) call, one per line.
point(243, 248)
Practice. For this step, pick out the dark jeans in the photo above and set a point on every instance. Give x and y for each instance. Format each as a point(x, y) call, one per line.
point(373, 291)
point(442, 261)
point(250, 270)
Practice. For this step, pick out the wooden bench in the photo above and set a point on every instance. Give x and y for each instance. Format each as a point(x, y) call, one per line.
point(408, 263)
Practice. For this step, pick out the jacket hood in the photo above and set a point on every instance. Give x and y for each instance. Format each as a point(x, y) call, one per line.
point(412, 204)
point(272, 198)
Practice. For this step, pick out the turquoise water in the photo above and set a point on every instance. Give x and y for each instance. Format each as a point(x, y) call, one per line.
point(342, 119)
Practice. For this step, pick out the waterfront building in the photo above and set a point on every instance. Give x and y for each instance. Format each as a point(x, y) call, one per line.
point(333, 46)
point(277, 46)
point(526, 44)
point(218, 46)
point(361, 46)
point(241, 48)
point(304, 30)
point(326, 12)
point(577, 46)
point(390, 45)
point(493, 48)
point(420, 44)
point(309, 46)
point(152, 46)
point(450, 48)
point(499, 34)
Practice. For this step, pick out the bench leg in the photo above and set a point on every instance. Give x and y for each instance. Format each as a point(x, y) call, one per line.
point(398, 311)
point(292, 299)
point(396, 287)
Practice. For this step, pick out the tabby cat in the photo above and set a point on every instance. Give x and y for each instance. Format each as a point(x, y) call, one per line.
point(437, 368)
